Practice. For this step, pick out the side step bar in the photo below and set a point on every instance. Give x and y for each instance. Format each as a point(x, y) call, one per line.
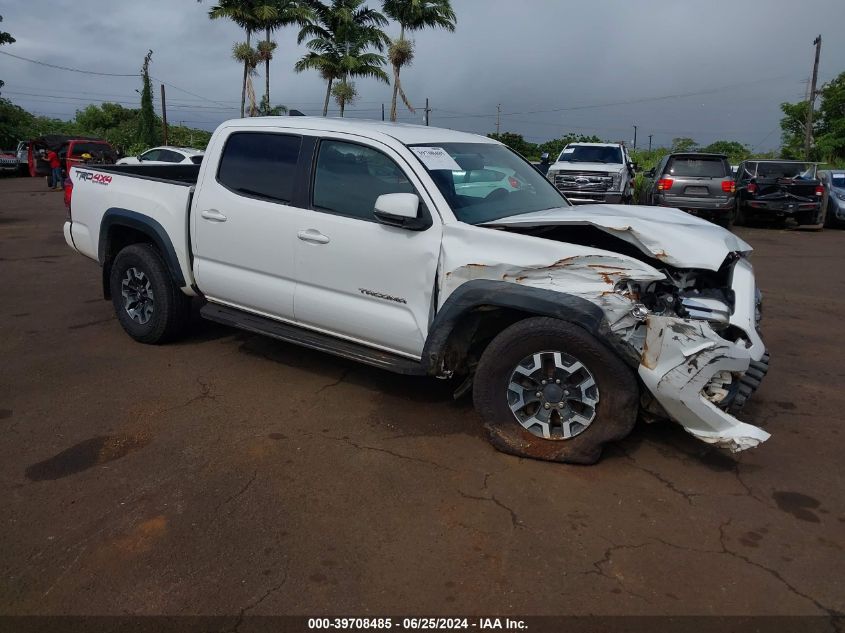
point(308, 338)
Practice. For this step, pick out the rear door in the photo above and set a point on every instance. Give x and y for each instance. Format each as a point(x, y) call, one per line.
point(696, 177)
point(357, 278)
point(245, 219)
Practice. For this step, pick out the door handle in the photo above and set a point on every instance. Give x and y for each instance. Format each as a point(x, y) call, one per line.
point(214, 215)
point(314, 236)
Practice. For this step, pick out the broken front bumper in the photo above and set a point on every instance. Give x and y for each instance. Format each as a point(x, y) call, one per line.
point(681, 357)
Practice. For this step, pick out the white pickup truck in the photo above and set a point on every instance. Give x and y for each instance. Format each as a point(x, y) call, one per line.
point(587, 173)
point(434, 252)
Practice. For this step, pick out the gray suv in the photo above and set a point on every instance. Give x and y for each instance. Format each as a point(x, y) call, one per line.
point(700, 184)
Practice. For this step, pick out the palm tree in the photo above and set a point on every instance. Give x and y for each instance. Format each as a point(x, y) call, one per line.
point(249, 57)
point(413, 15)
point(273, 15)
point(340, 35)
point(242, 13)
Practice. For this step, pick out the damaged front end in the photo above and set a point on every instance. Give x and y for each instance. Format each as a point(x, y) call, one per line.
point(691, 332)
point(701, 355)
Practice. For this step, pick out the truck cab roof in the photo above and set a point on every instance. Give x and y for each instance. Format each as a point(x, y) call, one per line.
point(379, 130)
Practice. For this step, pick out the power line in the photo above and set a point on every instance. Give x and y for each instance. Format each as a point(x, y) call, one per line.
point(99, 74)
point(67, 68)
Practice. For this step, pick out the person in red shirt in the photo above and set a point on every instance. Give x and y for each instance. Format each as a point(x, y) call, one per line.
point(55, 170)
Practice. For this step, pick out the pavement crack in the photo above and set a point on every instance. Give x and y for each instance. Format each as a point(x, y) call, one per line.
point(606, 558)
point(667, 483)
point(364, 447)
point(330, 385)
point(515, 522)
point(832, 613)
point(255, 603)
point(774, 573)
point(243, 489)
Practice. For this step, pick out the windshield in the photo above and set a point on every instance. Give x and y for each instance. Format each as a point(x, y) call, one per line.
point(837, 181)
point(697, 167)
point(591, 154)
point(796, 170)
point(484, 182)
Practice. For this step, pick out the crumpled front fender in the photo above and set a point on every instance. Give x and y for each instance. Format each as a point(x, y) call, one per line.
point(679, 358)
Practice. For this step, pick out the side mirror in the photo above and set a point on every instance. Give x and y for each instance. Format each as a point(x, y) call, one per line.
point(635, 167)
point(401, 210)
point(650, 173)
point(140, 159)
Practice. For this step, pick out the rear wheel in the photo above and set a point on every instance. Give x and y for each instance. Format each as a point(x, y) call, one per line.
point(740, 217)
point(148, 304)
point(726, 221)
point(549, 390)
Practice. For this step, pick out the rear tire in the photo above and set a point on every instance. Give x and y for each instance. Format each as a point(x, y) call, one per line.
point(148, 304)
point(740, 218)
point(726, 221)
point(612, 415)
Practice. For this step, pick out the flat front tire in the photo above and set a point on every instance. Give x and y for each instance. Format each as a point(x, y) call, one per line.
point(148, 304)
point(547, 389)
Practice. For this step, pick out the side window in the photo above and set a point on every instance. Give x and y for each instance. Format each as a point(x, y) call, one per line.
point(260, 164)
point(170, 157)
point(153, 154)
point(350, 177)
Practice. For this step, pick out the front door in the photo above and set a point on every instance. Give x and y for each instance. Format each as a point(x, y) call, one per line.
point(245, 222)
point(358, 278)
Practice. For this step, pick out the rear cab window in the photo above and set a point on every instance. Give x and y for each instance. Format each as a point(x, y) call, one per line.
point(697, 167)
point(260, 165)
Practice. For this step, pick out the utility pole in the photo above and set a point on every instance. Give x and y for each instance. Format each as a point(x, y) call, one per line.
point(808, 132)
point(635, 137)
point(427, 112)
point(649, 141)
point(164, 114)
point(382, 112)
point(498, 118)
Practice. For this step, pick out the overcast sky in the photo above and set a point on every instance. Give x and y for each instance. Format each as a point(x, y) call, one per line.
point(742, 58)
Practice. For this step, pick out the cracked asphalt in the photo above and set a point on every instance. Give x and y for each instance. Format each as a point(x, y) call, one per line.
point(232, 474)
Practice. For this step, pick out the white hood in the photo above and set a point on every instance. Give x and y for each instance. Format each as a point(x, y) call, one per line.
point(611, 168)
point(666, 234)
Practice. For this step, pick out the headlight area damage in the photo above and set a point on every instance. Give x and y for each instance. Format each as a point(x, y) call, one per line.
point(691, 333)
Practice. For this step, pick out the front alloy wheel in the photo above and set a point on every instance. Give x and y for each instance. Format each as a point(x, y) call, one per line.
point(553, 395)
point(537, 388)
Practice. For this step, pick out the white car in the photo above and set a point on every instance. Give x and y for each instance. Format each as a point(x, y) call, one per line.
point(354, 238)
point(165, 155)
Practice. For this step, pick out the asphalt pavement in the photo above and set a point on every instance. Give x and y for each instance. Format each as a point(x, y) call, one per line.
point(233, 474)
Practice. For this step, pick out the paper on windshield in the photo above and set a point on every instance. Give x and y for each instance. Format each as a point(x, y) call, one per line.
point(435, 158)
point(569, 150)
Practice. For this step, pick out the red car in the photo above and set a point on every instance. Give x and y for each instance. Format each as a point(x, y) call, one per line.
point(70, 150)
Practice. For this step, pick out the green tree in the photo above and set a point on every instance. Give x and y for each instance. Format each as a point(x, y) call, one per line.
point(793, 126)
point(735, 151)
point(413, 15)
point(273, 15)
point(516, 142)
point(242, 13)
point(339, 36)
point(147, 125)
point(830, 142)
point(684, 144)
point(5, 38)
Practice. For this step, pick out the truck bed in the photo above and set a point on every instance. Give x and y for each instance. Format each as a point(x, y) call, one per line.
point(153, 198)
point(174, 174)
